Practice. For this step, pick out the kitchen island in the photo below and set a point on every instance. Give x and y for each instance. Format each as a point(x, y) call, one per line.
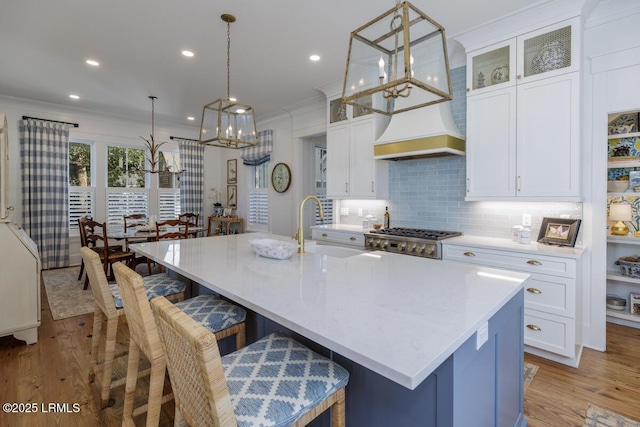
point(427, 342)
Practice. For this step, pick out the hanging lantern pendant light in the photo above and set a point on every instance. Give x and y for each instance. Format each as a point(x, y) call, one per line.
point(225, 122)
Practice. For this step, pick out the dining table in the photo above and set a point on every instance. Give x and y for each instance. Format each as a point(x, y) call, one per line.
point(146, 234)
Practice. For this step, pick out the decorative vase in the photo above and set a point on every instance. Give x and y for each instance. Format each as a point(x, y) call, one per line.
point(500, 74)
point(551, 56)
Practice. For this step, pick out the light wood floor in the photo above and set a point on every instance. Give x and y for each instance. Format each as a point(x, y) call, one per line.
point(56, 370)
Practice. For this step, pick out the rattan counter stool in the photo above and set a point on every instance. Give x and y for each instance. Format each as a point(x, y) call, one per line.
point(217, 316)
point(275, 381)
point(109, 309)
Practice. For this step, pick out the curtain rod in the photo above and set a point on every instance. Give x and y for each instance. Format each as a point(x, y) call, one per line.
point(75, 125)
point(185, 139)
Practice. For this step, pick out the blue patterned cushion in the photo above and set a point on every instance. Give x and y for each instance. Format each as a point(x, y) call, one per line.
point(155, 285)
point(276, 380)
point(212, 312)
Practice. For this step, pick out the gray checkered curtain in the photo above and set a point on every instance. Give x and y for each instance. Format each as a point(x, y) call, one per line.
point(261, 152)
point(44, 160)
point(192, 179)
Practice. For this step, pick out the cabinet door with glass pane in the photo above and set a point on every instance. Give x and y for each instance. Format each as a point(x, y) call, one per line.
point(492, 67)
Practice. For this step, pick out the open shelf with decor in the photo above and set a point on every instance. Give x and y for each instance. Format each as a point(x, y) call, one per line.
point(623, 210)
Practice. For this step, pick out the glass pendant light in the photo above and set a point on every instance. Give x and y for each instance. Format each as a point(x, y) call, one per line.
point(225, 122)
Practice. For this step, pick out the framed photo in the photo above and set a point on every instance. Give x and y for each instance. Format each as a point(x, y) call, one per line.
point(232, 171)
point(634, 180)
point(559, 231)
point(232, 195)
point(227, 212)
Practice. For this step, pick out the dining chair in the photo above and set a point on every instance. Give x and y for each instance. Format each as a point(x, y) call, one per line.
point(96, 238)
point(133, 221)
point(275, 372)
point(109, 308)
point(217, 316)
point(175, 229)
point(192, 218)
point(83, 243)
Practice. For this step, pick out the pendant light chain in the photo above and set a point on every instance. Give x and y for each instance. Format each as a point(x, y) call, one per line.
point(228, 59)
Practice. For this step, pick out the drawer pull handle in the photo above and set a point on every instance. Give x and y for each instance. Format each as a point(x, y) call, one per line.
point(534, 262)
point(534, 327)
point(469, 254)
point(534, 290)
point(352, 238)
point(324, 234)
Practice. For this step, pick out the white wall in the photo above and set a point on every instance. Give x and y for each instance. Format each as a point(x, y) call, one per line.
point(611, 69)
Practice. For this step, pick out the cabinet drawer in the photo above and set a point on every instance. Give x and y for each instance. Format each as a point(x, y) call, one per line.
point(341, 237)
point(549, 332)
point(551, 294)
point(529, 263)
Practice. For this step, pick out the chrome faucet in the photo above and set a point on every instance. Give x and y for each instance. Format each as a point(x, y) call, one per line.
point(299, 236)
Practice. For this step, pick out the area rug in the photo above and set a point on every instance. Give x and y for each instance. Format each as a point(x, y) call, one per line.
point(529, 372)
point(598, 417)
point(65, 294)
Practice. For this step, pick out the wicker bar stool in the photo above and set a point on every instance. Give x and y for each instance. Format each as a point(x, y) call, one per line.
point(216, 315)
point(275, 381)
point(109, 308)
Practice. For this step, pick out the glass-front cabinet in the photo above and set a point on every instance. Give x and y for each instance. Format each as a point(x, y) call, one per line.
point(543, 53)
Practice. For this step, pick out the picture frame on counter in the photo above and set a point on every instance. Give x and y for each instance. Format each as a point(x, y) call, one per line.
point(559, 231)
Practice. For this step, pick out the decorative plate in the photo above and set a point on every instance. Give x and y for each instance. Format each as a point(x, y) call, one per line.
point(625, 123)
point(500, 74)
point(551, 56)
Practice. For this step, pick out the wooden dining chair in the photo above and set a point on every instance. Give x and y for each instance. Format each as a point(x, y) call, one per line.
point(109, 308)
point(133, 221)
point(217, 316)
point(192, 218)
point(220, 391)
point(96, 238)
point(179, 230)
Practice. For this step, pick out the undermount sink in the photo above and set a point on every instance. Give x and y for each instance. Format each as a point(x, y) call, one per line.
point(333, 251)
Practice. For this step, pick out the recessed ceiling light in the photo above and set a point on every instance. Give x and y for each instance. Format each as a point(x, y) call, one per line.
point(74, 97)
point(191, 118)
point(315, 57)
point(92, 62)
point(187, 53)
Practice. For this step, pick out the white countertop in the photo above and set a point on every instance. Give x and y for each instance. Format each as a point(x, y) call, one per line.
point(340, 227)
point(400, 316)
point(533, 247)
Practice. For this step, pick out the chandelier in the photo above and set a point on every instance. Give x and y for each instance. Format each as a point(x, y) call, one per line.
point(225, 122)
point(153, 158)
point(397, 62)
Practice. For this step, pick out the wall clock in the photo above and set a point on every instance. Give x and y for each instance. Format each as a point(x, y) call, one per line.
point(281, 177)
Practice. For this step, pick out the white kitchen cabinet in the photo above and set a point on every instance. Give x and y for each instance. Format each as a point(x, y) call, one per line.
point(552, 321)
point(351, 170)
point(351, 236)
point(523, 128)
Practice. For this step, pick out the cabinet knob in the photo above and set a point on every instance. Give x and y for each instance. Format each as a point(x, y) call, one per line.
point(324, 234)
point(519, 76)
point(469, 254)
point(353, 239)
point(534, 262)
point(534, 290)
point(468, 90)
point(534, 328)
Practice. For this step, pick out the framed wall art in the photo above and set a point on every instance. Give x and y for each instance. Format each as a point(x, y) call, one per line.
point(559, 231)
point(232, 195)
point(232, 171)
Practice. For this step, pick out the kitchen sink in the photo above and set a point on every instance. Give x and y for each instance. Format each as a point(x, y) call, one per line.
point(332, 251)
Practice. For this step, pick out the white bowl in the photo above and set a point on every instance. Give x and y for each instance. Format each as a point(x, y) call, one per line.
point(617, 186)
point(271, 248)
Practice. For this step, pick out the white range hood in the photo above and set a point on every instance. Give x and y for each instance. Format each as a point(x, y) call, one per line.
point(421, 133)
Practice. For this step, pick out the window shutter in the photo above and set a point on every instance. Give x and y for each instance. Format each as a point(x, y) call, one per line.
point(259, 209)
point(169, 205)
point(120, 203)
point(81, 203)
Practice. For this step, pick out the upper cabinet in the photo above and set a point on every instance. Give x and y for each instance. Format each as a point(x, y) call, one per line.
point(540, 54)
point(523, 122)
point(351, 170)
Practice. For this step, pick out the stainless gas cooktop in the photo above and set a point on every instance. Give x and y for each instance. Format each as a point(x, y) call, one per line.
point(409, 241)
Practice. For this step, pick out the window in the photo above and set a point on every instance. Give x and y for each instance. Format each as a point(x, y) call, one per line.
point(125, 171)
point(321, 185)
point(169, 162)
point(81, 185)
point(125, 167)
point(258, 210)
point(168, 205)
point(261, 175)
